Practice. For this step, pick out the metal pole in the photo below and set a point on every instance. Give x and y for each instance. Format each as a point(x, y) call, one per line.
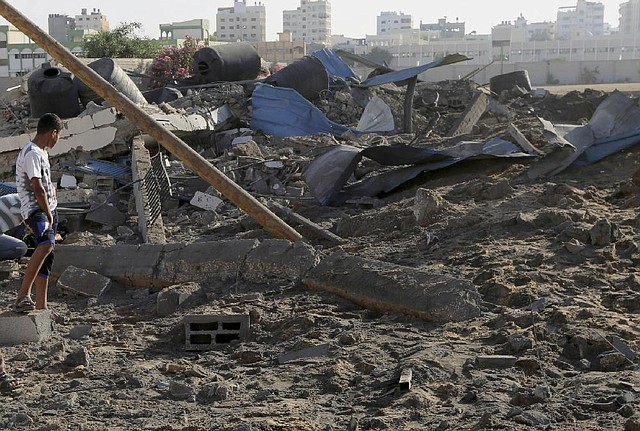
point(168, 140)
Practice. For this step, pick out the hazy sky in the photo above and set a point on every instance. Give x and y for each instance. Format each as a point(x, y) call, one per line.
point(352, 18)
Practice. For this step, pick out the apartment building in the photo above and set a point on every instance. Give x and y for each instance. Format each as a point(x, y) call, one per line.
point(390, 21)
point(242, 22)
point(196, 29)
point(92, 21)
point(310, 23)
point(630, 17)
point(584, 19)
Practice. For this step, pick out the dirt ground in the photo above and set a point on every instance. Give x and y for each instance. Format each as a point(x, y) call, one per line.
point(565, 308)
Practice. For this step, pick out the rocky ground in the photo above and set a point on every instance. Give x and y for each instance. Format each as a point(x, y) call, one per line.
point(555, 261)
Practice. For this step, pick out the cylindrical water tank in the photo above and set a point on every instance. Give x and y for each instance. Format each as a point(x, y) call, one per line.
point(108, 69)
point(307, 76)
point(233, 62)
point(52, 90)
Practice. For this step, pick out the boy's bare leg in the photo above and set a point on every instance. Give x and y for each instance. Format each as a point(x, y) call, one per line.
point(42, 285)
point(33, 267)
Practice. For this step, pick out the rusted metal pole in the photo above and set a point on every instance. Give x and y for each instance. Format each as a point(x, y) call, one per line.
point(168, 140)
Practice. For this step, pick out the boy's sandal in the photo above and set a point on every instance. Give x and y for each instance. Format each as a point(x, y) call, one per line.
point(8, 384)
point(24, 304)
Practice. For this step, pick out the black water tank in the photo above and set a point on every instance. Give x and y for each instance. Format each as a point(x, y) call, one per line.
point(307, 76)
point(109, 70)
point(52, 90)
point(507, 81)
point(232, 62)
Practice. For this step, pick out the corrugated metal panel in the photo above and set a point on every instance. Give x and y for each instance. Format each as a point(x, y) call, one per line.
point(7, 188)
point(101, 167)
point(335, 65)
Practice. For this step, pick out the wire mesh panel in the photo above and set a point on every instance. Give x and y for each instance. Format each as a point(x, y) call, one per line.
point(157, 188)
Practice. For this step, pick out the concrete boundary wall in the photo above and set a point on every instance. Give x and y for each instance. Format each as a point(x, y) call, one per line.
point(547, 72)
point(370, 283)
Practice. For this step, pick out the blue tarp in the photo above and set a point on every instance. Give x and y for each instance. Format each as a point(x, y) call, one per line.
point(284, 112)
point(336, 67)
point(402, 75)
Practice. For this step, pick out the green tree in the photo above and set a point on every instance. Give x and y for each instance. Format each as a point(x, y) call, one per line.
point(380, 56)
point(122, 42)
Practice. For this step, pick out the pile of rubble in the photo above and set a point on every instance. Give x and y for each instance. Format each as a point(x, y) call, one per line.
point(476, 272)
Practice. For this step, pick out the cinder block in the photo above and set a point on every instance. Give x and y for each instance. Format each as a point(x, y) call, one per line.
point(18, 328)
point(75, 195)
point(206, 201)
point(203, 332)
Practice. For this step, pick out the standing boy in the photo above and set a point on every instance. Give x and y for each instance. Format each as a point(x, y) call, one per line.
point(38, 207)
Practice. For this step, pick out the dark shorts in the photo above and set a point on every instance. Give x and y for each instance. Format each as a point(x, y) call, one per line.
point(44, 234)
point(39, 224)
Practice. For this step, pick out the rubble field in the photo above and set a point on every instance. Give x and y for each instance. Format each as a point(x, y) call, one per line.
point(549, 267)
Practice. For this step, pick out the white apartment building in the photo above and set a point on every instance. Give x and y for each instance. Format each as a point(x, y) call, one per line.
point(242, 22)
point(93, 21)
point(583, 19)
point(390, 21)
point(310, 23)
point(630, 17)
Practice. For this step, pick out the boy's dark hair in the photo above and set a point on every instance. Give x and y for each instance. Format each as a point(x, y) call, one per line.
point(49, 122)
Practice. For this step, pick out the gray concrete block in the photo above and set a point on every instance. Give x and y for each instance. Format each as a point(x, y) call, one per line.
point(387, 287)
point(203, 332)
point(18, 328)
point(496, 361)
point(106, 214)
point(78, 281)
point(275, 258)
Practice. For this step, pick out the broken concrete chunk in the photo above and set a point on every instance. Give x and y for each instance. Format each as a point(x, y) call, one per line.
point(394, 288)
point(206, 201)
point(82, 282)
point(170, 298)
point(106, 214)
point(16, 329)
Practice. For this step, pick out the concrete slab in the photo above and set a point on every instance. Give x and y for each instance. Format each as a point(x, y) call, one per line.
point(91, 140)
point(275, 258)
point(78, 281)
point(471, 115)
point(394, 288)
point(17, 328)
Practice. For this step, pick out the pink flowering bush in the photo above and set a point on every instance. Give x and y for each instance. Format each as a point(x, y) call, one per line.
point(173, 62)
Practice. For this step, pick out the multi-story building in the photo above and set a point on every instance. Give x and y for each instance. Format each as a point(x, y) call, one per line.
point(242, 22)
point(390, 21)
point(583, 19)
point(522, 30)
point(443, 29)
point(310, 23)
point(196, 29)
point(630, 17)
point(93, 21)
point(60, 25)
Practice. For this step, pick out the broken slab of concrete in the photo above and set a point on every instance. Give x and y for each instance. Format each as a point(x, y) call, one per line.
point(367, 282)
point(170, 298)
point(16, 328)
point(394, 288)
point(471, 115)
point(78, 281)
point(274, 258)
point(106, 214)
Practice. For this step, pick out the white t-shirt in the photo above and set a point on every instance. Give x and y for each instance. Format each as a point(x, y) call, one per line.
point(33, 162)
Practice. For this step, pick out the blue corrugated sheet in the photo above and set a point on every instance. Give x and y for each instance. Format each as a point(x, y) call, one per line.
point(101, 167)
point(336, 67)
point(402, 75)
point(7, 188)
point(284, 112)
